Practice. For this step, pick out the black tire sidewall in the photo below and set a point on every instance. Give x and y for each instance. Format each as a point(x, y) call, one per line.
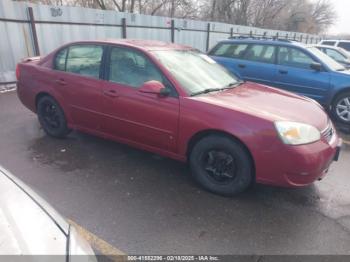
point(60, 132)
point(334, 107)
point(244, 177)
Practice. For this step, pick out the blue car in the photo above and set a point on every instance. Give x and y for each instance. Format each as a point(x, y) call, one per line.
point(290, 66)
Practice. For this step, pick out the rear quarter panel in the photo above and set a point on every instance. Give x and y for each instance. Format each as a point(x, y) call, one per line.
point(37, 79)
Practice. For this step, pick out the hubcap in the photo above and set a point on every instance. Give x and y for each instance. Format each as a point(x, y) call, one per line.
point(51, 116)
point(220, 166)
point(343, 109)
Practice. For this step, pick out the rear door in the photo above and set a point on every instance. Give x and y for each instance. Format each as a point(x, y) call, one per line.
point(294, 73)
point(78, 80)
point(146, 119)
point(259, 64)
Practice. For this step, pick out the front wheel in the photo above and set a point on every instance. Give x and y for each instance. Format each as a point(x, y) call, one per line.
point(341, 108)
point(52, 118)
point(221, 165)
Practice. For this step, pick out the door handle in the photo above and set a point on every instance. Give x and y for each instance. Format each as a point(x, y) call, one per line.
point(242, 66)
point(61, 82)
point(283, 72)
point(110, 93)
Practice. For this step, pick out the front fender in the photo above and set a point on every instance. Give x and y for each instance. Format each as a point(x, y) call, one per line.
point(340, 82)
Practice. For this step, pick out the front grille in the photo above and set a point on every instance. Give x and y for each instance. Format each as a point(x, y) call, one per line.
point(328, 133)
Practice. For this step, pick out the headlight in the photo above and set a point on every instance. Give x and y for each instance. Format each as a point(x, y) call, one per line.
point(293, 133)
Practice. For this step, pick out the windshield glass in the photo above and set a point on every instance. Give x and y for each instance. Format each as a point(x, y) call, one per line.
point(195, 71)
point(332, 64)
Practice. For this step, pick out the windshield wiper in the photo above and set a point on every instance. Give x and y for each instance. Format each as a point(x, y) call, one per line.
point(209, 90)
point(206, 91)
point(232, 85)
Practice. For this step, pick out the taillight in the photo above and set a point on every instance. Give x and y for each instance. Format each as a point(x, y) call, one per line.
point(17, 72)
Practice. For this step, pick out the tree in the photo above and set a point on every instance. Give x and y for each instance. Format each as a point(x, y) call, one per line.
point(308, 16)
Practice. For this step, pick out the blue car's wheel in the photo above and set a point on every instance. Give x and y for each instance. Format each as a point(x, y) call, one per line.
point(341, 108)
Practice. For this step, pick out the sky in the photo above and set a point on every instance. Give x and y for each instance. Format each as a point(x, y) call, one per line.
point(342, 25)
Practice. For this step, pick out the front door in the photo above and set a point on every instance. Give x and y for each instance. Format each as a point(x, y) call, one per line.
point(294, 73)
point(137, 117)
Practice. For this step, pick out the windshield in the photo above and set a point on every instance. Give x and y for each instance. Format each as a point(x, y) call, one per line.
point(345, 53)
point(196, 72)
point(332, 64)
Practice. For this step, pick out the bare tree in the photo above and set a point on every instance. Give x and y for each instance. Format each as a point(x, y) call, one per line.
point(309, 16)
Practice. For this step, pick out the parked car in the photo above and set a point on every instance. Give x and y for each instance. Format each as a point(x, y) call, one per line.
point(178, 102)
point(345, 44)
point(290, 66)
point(337, 53)
point(30, 226)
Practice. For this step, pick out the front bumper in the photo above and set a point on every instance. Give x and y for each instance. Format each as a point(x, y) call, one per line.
point(297, 166)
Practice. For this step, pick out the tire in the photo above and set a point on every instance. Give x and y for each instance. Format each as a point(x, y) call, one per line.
point(52, 118)
point(341, 108)
point(221, 165)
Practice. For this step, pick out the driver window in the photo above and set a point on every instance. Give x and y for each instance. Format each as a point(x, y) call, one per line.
point(131, 68)
point(293, 57)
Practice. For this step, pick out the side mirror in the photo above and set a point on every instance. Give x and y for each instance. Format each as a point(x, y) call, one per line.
point(316, 66)
point(154, 87)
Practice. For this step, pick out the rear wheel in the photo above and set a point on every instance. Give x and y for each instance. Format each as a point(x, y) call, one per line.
point(341, 108)
point(221, 165)
point(51, 117)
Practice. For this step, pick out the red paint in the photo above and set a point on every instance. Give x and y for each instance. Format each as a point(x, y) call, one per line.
point(166, 125)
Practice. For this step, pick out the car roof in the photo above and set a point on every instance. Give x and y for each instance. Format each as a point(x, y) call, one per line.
point(338, 48)
point(326, 46)
point(264, 41)
point(335, 40)
point(147, 45)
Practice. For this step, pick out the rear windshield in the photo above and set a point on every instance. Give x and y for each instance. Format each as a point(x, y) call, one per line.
point(328, 43)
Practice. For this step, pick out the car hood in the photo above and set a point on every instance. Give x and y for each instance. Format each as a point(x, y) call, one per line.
point(28, 226)
point(269, 103)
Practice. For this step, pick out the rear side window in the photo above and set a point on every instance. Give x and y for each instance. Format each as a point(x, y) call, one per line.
point(60, 60)
point(85, 60)
point(328, 43)
point(345, 45)
point(261, 53)
point(230, 50)
point(294, 58)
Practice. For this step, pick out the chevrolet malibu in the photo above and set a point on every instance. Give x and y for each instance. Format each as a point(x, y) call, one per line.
point(177, 102)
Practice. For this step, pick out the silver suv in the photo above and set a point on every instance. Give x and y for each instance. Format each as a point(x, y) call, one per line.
point(338, 43)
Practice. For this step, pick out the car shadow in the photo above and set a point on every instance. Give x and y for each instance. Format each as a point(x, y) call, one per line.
point(147, 196)
point(81, 152)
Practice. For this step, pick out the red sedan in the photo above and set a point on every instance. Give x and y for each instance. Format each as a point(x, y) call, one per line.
point(177, 102)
